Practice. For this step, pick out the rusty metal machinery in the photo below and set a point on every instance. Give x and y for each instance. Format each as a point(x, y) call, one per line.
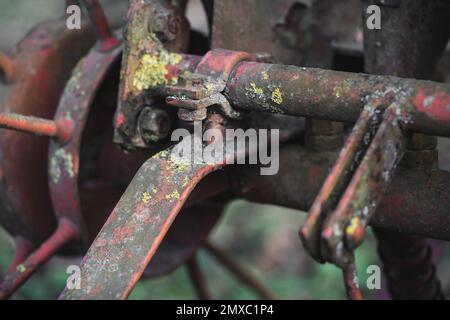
point(356, 149)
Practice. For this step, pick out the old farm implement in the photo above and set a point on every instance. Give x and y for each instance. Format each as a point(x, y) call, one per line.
point(86, 164)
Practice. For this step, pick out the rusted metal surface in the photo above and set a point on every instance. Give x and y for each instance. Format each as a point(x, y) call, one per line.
point(105, 37)
point(65, 232)
point(331, 95)
point(351, 281)
point(337, 96)
point(416, 201)
point(339, 229)
point(337, 181)
point(145, 236)
point(37, 126)
point(136, 227)
point(415, 30)
point(345, 226)
point(64, 158)
point(45, 58)
point(408, 266)
point(295, 32)
point(147, 63)
point(406, 258)
point(195, 92)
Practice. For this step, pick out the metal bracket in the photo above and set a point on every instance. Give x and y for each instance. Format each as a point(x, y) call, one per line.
point(353, 190)
point(198, 91)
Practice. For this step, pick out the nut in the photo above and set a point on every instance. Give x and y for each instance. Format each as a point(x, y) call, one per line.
point(154, 124)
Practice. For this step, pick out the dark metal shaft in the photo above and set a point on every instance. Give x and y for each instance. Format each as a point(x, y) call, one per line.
point(198, 279)
point(227, 261)
point(100, 25)
point(407, 258)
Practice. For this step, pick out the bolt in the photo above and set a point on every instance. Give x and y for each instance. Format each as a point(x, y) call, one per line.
point(154, 125)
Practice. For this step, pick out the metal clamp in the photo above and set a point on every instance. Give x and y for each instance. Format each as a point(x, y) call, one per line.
point(196, 92)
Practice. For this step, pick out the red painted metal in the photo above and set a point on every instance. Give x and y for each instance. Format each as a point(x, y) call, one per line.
point(45, 58)
point(23, 249)
point(65, 232)
point(136, 227)
point(135, 241)
point(64, 158)
point(105, 37)
point(38, 126)
point(351, 281)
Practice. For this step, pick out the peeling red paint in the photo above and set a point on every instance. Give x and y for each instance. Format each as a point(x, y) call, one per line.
point(435, 106)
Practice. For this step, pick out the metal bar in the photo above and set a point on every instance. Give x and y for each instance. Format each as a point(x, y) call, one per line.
point(351, 282)
point(228, 262)
point(99, 23)
point(406, 205)
point(198, 279)
point(73, 110)
point(337, 96)
point(34, 125)
point(407, 261)
point(343, 231)
point(139, 222)
point(23, 249)
point(408, 266)
point(65, 233)
point(330, 95)
point(338, 179)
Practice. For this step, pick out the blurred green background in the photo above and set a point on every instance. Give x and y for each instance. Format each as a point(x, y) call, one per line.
point(264, 239)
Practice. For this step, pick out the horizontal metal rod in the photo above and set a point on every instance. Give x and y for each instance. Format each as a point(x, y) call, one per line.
point(338, 96)
point(34, 125)
point(332, 95)
point(417, 201)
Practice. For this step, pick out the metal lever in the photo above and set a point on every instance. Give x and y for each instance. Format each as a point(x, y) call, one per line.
point(353, 189)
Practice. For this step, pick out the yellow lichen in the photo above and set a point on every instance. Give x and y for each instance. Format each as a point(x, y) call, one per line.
point(186, 181)
point(61, 157)
point(21, 268)
point(153, 71)
point(277, 96)
point(264, 75)
point(177, 165)
point(254, 90)
point(173, 196)
point(146, 197)
point(354, 224)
